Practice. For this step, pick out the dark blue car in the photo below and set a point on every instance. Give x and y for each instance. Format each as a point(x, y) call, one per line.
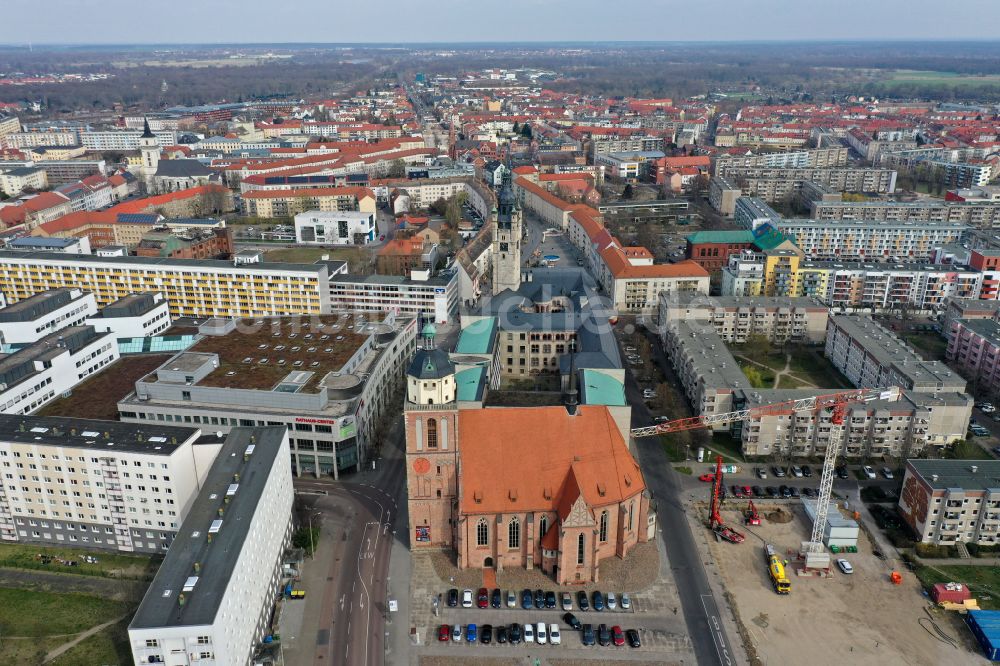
point(527, 600)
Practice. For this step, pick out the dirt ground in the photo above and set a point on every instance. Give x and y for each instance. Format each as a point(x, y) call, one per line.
point(857, 619)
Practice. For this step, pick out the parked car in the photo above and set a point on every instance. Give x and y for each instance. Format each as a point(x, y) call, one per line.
point(555, 638)
point(761, 473)
point(571, 620)
point(737, 490)
point(529, 633)
point(758, 491)
point(626, 601)
point(587, 634)
point(496, 598)
point(617, 636)
point(795, 492)
point(632, 636)
point(515, 634)
point(483, 598)
point(808, 492)
point(887, 473)
point(470, 633)
point(785, 491)
point(452, 597)
point(845, 566)
point(541, 633)
point(842, 472)
point(747, 491)
point(796, 471)
point(456, 634)
point(526, 599)
point(807, 471)
point(550, 599)
point(539, 599)
point(603, 634)
point(598, 601)
point(486, 634)
point(511, 599)
point(582, 601)
point(778, 472)
point(773, 492)
point(868, 472)
point(501, 632)
point(612, 601)
point(466, 598)
point(567, 601)
point(444, 633)
point(707, 477)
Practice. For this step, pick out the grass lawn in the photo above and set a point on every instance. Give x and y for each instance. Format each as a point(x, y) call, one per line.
point(966, 450)
point(111, 565)
point(106, 647)
point(949, 79)
point(757, 376)
point(726, 446)
point(674, 446)
point(32, 613)
point(810, 365)
point(983, 582)
point(97, 398)
point(930, 345)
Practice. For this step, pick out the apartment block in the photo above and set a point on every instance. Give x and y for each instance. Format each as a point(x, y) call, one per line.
point(51, 366)
point(35, 317)
point(213, 596)
point(737, 319)
point(775, 184)
point(99, 484)
point(197, 288)
point(966, 308)
point(316, 227)
point(722, 195)
point(123, 140)
point(974, 350)
point(872, 357)
point(751, 212)
point(817, 158)
point(434, 297)
point(978, 214)
point(951, 501)
point(327, 380)
point(872, 240)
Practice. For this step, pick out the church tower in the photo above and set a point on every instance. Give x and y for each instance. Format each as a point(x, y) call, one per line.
point(507, 238)
point(431, 418)
point(149, 149)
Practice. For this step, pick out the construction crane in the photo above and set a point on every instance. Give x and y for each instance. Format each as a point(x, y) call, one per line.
point(836, 403)
point(716, 523)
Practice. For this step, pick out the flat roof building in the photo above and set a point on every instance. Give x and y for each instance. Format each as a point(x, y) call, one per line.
point(951, 501)
point(32, 318)
point(214, 592)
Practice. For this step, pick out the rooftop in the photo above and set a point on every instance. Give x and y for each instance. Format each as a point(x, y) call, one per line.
point(211, 542)
point(958, 473)
point(39, 304)
point(261, 353)
point(478, 337)
point(150, 439)
point(184, 264)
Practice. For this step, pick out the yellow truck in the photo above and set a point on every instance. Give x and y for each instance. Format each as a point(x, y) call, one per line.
point(776, 570)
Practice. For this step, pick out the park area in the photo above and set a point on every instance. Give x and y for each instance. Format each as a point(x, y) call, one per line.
point(787, 367)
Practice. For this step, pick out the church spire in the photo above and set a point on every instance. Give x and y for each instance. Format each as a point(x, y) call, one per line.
point(146, 132)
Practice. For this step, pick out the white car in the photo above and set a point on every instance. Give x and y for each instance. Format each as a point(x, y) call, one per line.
point(456, 633)
point(554, 637)
point(845, 566)
point(511, 599)
point(869, 472)
point(466, 598)
point(540, 633)
point(611, 601)
point(626, 601)
point(529, 633)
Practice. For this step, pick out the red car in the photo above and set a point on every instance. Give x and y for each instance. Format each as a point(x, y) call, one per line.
point(747, 491)
point(483, 598)
point(707, 477)
point(444, 633)
point(617, 635)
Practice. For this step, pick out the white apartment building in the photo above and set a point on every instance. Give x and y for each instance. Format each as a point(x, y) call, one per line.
point(751, 212)
point(44, 370)
point(213, 595)
point(98, 484)
point(123, 140)
point(873, 357)
point(33, 318)
point(15, 181)
point(951, 501)
point(133, 316)
point(877, 240)
point(979, 214)
point(736, 319)
point(433, 297)
point(69, 245)
point(316, 227)
point(744, 275)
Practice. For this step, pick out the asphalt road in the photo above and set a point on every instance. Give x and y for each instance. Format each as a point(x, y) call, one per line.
point(701, 612)
point(359, 519)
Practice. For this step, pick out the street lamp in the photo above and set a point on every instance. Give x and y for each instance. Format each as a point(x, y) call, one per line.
point(312, 546)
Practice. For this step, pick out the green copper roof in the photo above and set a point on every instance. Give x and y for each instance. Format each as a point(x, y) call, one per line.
point(477, 337)
point(599, 388)
point(470, 384)
point(728, 236)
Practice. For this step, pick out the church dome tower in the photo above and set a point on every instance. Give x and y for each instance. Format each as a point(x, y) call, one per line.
point(430, 379)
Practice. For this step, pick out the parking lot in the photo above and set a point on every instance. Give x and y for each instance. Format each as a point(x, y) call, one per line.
point(526, 618)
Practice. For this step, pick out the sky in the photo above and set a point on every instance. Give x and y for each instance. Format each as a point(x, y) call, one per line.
point(338, 21)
